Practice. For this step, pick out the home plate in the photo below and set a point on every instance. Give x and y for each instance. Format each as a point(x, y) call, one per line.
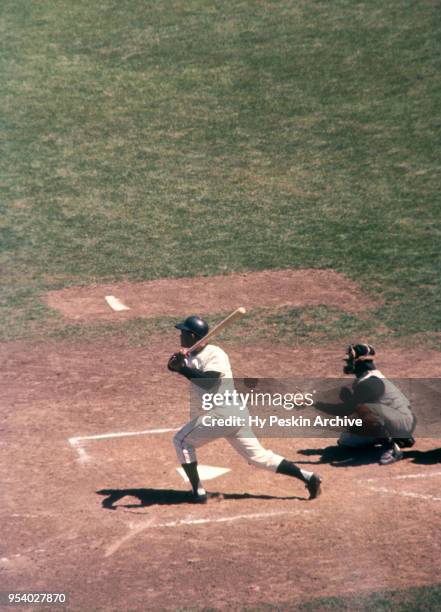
point(206, 472)
point(115, 303)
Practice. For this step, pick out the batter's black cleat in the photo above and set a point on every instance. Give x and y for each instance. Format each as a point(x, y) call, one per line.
point(198, 498)
point(313, 486)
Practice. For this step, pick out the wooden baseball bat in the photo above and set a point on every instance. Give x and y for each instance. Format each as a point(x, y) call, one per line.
point(237, 314)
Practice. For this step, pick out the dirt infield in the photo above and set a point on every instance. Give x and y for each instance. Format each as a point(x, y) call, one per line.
point(212, 294)
point(107, 520)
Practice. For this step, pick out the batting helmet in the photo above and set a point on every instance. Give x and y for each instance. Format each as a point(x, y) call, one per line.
point(195, 325)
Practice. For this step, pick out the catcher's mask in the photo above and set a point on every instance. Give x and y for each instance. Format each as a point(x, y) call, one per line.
point(357, 353)
point(195, 325)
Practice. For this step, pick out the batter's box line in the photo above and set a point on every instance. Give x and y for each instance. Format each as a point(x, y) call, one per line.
point(405, 476)
point(78, 442)
point(137, 529)
point(404, 493)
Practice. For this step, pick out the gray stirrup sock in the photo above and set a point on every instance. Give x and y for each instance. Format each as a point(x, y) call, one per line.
point(191, 469)
point(288, 468)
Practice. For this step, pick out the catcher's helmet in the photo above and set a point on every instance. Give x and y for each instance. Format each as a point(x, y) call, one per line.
point(356, 353)
point(361, 352)
point(195, 325)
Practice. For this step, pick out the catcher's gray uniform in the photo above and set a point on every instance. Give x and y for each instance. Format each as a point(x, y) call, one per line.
point(391, 411)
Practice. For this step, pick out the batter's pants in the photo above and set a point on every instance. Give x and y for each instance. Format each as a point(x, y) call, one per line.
point(194, 434)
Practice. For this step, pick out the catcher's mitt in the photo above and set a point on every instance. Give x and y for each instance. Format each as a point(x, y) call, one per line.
point(346, 396)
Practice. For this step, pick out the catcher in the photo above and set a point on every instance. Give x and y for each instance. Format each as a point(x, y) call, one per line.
point(208, 368)
point(387, 417)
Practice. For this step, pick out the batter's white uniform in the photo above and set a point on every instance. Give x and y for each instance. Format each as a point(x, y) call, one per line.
point(194, 434)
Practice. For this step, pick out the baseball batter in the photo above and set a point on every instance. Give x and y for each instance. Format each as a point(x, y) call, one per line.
point(385, 411)
point(208, 369)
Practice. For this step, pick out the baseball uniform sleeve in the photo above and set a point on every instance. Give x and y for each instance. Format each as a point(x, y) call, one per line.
point(214, 359)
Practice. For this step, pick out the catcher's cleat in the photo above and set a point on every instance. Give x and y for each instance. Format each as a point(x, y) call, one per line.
point(313, 486)
point(391, 454)
point(405, 442)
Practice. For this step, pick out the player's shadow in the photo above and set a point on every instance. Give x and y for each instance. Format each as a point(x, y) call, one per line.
point(429, 457)
point(170, 497)
point(340, 456)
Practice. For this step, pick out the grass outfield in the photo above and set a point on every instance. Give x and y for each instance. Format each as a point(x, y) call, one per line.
point(151, 139)
point(147, 139)
point(293, 326)
point(421, 599)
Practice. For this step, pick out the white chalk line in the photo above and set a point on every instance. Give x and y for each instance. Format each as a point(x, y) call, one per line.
point(405, 476)
point(120, 434)
point(404, 493)
point(136, 529)
point(78, 441)
point(83, 457)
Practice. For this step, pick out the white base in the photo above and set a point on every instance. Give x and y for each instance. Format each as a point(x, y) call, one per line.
point(206, 472)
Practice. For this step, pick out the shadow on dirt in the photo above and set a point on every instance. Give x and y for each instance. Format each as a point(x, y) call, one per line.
point(429, 457)
point(338, 456)
point(169, 497)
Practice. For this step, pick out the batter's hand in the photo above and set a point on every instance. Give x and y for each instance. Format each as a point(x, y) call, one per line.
point(176, 362)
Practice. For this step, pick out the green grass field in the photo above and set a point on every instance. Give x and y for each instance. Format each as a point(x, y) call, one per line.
point(421, 599)
point(151, 139)
point(146, 139)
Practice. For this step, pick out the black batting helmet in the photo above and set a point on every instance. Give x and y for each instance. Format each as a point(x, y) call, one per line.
point(195, 325)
